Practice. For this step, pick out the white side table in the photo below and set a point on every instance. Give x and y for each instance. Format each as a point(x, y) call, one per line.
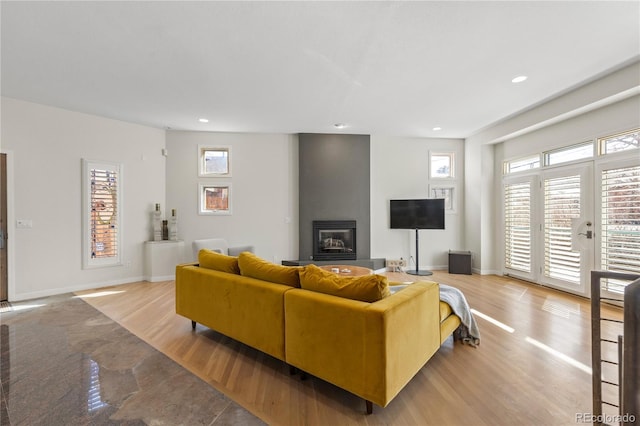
point(161, 258)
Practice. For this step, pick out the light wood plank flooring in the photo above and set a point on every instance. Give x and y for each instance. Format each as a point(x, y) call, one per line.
point(531, 368)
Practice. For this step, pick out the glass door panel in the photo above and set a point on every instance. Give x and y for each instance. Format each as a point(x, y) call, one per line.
point(519, 227)
point(567, 228)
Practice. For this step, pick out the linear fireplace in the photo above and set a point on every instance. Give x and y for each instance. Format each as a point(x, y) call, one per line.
point(334, 240)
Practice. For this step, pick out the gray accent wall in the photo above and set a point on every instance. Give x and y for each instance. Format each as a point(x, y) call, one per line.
point(334, 184)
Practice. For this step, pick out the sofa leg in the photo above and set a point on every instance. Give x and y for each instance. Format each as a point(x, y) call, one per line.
point(292, 370)
point(369, 407)
point(303, 375)
point(193, 325)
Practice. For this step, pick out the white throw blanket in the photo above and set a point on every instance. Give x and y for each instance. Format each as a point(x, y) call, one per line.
point(467, 332)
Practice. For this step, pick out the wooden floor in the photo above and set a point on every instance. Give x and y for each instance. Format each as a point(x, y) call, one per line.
point(531, 368)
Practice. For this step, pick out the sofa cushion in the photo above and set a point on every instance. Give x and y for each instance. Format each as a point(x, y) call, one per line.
point(256, 267)
point(445, 311)
point(220, 262)
point(368, 288)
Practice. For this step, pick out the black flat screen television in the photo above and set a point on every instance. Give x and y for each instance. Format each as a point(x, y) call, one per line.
point(417, 214)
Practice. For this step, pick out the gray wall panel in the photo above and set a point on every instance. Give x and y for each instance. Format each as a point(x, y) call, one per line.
point(334, 184)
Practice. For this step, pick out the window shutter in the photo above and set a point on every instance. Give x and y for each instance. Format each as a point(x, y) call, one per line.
point(104, 218)
point(102, 225)
point(620, 249)
point(517, 201)
point(561, 204)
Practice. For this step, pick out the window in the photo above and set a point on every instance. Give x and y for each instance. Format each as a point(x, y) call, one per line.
point(442, 165)
point(621, 142)
point(214, 161)
point(620, 242)
point(448, 192)
point(522, 164)
point(517, 226)
point(101, 213)
point(442, 182)
point(214, 199)
point(571, 153)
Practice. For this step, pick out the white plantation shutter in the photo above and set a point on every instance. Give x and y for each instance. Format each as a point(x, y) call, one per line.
point(101, 214)
point(104, 208)
point(561, 204)
point(517, 204)
point(620, 241)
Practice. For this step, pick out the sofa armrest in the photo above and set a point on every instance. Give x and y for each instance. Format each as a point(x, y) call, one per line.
point(182, 265)
point(369, 349)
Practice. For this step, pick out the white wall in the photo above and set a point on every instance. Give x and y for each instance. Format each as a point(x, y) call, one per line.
point(605, 121)
point(45, 146)
point(473, 153)
point(264, 176)
point(400, 169)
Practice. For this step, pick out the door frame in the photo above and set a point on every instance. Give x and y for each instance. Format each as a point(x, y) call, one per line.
point(588, 195)
point(11, 231)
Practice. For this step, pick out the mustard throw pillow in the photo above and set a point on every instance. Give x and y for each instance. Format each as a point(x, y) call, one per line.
point(220, 262)
point(255, 267)
point(368, 288)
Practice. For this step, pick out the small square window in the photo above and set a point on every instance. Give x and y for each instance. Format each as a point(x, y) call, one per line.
point(214, 199)
point(442, 165)
point(448, 192)
point(214, 161)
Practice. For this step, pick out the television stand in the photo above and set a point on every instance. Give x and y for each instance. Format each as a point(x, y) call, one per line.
point(417, 271)
point(422, 273)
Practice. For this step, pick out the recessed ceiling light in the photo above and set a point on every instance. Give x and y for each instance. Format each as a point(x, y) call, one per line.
point(339, 125)
point(519, 79)
point(203, 120)
point(435, 129)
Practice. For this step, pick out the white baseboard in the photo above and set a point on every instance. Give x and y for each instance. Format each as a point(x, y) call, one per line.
point(61, 290)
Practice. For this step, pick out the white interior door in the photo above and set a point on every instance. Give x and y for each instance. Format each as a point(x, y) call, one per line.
point(567, 228)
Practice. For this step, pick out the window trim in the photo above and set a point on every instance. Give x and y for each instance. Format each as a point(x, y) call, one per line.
point(201, 199)
point(452, 164)
point(202, 149)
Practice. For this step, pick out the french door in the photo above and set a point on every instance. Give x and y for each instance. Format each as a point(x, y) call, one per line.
point(550, 227)
point(567, 226)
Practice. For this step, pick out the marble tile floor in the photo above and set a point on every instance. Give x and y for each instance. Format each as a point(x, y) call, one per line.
point(62, 362)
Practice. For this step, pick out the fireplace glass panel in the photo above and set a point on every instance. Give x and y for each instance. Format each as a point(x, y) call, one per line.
point(334, 240)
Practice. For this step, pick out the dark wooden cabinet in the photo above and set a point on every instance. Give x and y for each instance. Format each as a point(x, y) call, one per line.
point(460, 262)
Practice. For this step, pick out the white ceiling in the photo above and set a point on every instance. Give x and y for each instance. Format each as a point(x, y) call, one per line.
point(394, 68)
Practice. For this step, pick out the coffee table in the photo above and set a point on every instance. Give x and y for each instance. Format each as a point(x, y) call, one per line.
point(348, 270)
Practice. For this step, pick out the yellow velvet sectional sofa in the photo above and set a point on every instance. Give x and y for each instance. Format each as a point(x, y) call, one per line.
point(370, 347)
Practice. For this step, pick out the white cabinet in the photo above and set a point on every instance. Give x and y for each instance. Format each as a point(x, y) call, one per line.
point(161, 258)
